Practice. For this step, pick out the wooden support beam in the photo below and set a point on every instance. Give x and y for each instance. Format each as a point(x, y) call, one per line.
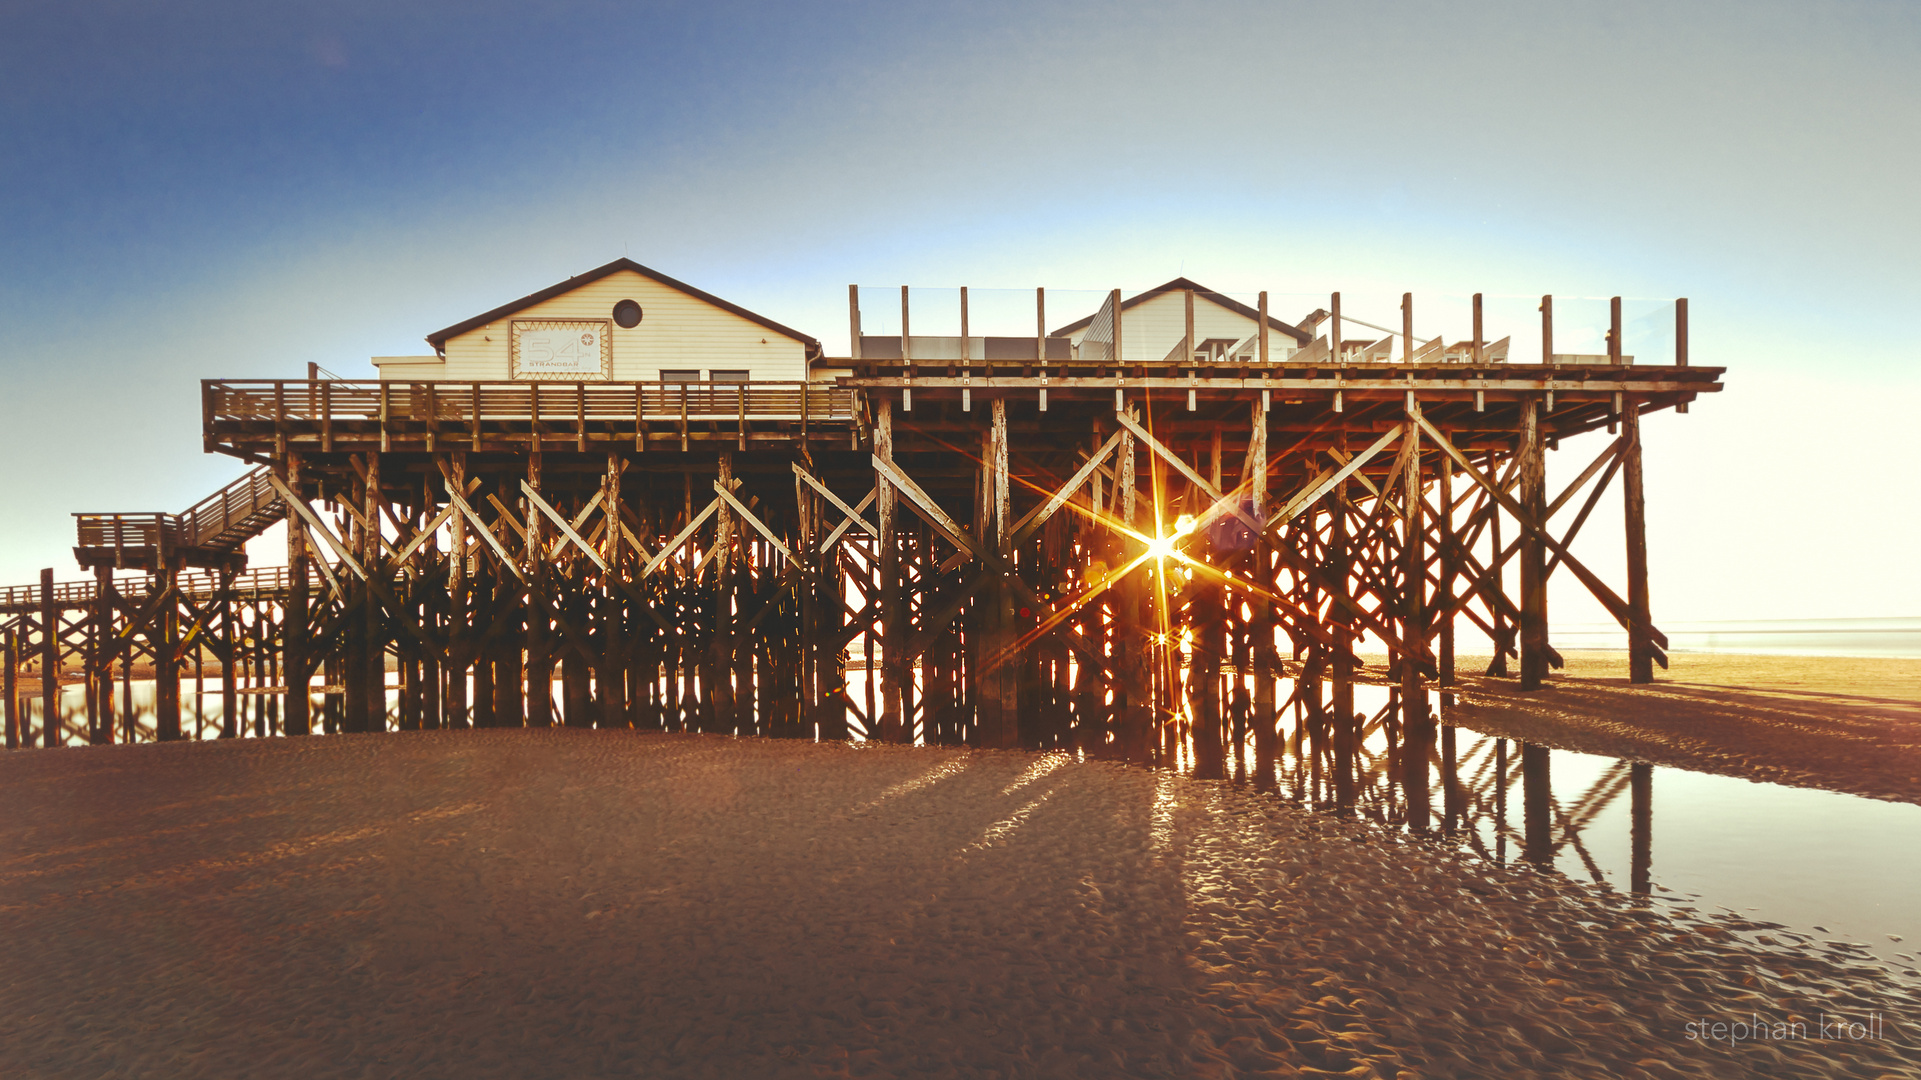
point(540, 612)
point(1220, 502)
point(853, 514)
point(894, 629)
point(1532, 523)
point(566, 530)
point(1641, 652)
point(100, 725)
point(295, 611)
point(165, 641)
point(50, 663)
point(10, 689)
point(1534, 635)
point(996, 693)
point(1416, 725)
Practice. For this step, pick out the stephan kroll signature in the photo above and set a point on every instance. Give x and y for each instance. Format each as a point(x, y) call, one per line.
point(1753, 1028)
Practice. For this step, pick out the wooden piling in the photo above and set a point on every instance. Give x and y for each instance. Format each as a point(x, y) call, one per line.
point(1417, 724)
point(50, 733)
point(295, 657)
point(538, 610)
point(166, 660)
point(1634, 513)
point(105, 647)
point(1534, 639)
point(10, 688)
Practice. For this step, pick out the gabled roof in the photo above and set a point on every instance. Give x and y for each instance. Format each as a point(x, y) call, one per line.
point(1179, 284)
point(439, 337)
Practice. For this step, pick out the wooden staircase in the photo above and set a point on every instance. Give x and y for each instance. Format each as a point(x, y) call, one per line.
point(211, 534)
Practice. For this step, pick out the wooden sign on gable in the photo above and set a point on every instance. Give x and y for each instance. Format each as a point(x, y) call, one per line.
point(566, 350)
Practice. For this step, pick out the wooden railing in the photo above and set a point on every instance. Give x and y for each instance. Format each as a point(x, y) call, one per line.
point(212, 518)
point(299, 400)
point(227, 518)
point(128, 530)
point(200, 586)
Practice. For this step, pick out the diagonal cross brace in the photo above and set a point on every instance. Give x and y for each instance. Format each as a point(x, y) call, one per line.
point(681, 538)
point(565, 529)
point(1026, 527)
point(306, 514)
point(1187, 471)
point(923, 504)
point(1311, 494)
point(852, 512)
point(486, 533)
point(748, 515)
point(1608, 598)
point(839, 530)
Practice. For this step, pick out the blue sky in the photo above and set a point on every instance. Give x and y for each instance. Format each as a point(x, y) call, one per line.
point(198, 190)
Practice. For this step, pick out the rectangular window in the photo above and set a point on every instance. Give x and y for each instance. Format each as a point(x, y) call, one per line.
point(679, 375)
point(728, 376)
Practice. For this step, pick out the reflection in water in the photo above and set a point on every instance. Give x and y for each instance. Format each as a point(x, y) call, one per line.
point(256, 713)
point(1432, 785)
point(1809, 860)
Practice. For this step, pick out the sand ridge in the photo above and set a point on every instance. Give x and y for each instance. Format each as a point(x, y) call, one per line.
point(586, 903)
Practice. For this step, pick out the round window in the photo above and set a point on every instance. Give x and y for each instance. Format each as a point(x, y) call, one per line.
point(627, 314)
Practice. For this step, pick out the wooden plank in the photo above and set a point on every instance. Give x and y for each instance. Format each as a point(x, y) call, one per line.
point(1609, 599)
point(300, 507)
point(834, 536)
point(924, 505)
point(1186, 470)
point(566, 530)
point(1025, 528)
point(852, 514)
point(680, 538)
point(740, 508)
point(486, 534)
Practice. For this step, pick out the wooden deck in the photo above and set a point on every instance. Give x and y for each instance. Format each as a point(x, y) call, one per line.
point(246, 415)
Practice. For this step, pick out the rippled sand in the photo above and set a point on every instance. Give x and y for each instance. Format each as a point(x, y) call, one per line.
point(585, 904)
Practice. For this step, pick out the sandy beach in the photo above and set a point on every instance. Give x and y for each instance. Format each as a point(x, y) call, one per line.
point(587, 904)
point(1839, 723)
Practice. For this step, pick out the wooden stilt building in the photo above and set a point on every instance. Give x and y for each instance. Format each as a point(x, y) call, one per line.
point(623, 502)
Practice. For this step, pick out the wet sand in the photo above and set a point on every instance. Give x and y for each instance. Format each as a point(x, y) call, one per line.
point(1838, 723)
point(586, 904)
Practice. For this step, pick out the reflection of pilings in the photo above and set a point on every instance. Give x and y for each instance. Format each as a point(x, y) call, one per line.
point(1641, 828)
point(1500, 800)
point(1537, 812)
point(1450, 783)
point(1209, 620)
